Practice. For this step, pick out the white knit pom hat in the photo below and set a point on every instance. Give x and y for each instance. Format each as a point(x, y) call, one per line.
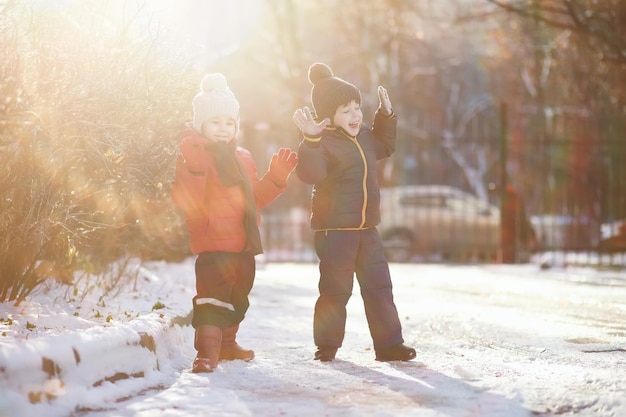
point(214, 99)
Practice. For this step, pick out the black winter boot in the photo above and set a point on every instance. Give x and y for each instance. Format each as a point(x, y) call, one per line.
point(397, 352)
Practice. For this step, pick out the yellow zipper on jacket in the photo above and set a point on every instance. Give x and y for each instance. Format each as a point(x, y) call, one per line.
point(358, 146)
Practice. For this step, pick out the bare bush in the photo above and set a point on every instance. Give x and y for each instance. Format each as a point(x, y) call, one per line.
point(90, 117)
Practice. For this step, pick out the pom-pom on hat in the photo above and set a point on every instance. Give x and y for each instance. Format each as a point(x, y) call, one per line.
point(329, 92)
point(214, 99)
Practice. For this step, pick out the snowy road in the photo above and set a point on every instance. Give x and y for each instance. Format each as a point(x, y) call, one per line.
point(502, 341)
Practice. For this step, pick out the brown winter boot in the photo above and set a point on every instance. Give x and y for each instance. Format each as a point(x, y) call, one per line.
point(230, 349)
point(208, 342)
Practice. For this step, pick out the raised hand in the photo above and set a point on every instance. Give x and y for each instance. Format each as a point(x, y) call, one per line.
point(282, 165)
point(384, 104)
point(307, 124)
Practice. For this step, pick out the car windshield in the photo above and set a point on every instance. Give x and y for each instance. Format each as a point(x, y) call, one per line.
point(457, 203)
point(422, 200)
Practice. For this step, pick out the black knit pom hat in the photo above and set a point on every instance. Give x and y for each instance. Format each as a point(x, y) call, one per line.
point(329, 92)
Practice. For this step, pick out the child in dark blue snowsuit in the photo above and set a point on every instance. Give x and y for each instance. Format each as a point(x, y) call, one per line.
point(338, 156)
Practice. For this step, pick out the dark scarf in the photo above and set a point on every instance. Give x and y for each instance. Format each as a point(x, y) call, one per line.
point(232, 173)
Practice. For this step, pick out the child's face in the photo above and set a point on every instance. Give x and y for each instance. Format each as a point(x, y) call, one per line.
point(349, 117)
point(219, 128)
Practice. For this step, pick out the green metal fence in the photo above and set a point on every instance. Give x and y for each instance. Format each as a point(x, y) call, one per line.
point(444, 195)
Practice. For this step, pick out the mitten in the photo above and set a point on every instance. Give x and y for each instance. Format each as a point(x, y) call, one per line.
point(282, 165)
point(384, 104)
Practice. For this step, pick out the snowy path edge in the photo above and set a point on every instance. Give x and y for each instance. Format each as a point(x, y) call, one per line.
point(90, 357)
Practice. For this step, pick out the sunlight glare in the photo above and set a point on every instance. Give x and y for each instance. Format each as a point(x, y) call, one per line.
point(206, 29)
point(199, 30)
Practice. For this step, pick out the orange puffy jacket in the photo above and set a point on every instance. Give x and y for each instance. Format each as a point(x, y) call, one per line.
point(213, 212)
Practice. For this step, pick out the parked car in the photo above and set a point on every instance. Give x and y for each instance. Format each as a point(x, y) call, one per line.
point(565, 232)
point(427, 220)
point(552, 229)
point(613, 237)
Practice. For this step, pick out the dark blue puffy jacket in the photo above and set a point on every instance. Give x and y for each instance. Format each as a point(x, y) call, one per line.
point(343, 171)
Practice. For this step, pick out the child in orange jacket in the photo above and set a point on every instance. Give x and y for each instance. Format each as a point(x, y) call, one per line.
point(219, 192)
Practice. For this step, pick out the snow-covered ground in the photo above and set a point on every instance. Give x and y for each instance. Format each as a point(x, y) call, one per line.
point(492, 340)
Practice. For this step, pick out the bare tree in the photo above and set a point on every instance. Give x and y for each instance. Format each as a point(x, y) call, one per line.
point(597, 26)
point(601, 25)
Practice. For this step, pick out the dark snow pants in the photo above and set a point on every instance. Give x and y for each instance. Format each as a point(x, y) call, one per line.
point(343, 253)
point(223, 282)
